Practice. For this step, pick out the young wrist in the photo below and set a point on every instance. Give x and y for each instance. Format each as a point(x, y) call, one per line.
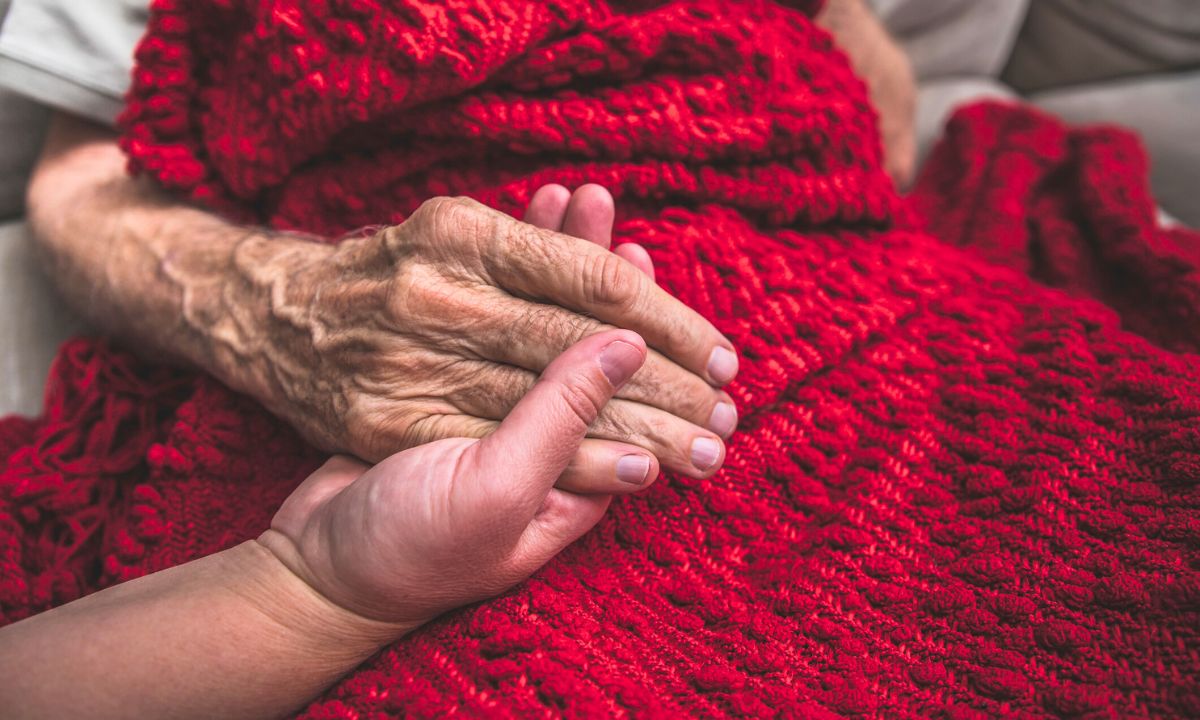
point(300, 615)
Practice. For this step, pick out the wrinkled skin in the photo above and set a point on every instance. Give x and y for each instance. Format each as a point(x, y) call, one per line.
point(437, 327)
point(455, 521)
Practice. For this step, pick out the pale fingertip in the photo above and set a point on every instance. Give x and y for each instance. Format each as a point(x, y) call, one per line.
point(633, 469)
point(551, 192)
point(706, 452)
point(723, 420)
point(548, 206)
point(722, 365)
point(590, 214)
point(637, 256)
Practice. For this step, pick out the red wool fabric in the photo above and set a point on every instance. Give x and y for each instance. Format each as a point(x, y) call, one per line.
point(967, 478)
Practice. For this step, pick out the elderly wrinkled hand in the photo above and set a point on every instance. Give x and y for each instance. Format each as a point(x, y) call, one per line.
point(426, 330)
point(458, 520)
point(437, 327)
point(355, 558)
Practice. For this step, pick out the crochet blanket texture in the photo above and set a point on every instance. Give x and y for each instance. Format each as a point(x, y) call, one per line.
point(967, 477)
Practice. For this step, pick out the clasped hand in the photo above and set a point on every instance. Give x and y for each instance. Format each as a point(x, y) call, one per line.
point(458, 520)
point(435, 328)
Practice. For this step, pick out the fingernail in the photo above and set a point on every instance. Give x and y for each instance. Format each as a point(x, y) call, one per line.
point(705, 452)
point(619, 361)
point(722, 365)
point(633, 469)
point(723, 419)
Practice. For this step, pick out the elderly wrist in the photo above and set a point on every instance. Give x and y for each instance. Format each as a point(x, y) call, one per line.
point(243, 321)
point(303, 306)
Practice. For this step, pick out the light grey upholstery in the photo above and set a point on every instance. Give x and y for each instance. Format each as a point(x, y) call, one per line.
point(33, 323)
point(22, 125)
point(1165, 111)
point(1077, 42)
point(953, 38)
point(938, 99)
point(74, 55)
point(963, 50)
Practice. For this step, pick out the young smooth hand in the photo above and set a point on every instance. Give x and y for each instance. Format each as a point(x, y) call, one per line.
point(355, 557)
point(454, 521)
point(448, 523)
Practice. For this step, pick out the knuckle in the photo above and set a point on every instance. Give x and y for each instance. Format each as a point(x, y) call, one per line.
point(548, 325)
point(430, 426)
point(616, 423)
point(421, 430)
point(436, 315)
point(610, 282)
point(567, 328)
point(421, 222)
point(656, 432)
point(667, 386)
point(583, 402)
point(341, 308)
point(661, 431)
point(420, 298)
point(491, 390)
point(452, 219)
point(399, 242)
point(524, 254)
point(435, 209)
point(680, 331)
point(690, 403)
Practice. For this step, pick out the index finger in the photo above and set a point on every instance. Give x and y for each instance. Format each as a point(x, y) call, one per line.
point(578, 275)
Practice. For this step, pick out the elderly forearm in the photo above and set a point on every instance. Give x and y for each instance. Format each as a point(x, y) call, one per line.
point(428, 329)
point(171, 279)
point(231, 635)
point(860, 34)
point(882, 64)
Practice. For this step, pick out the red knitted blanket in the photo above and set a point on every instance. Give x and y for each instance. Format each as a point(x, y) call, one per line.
point(957, 489)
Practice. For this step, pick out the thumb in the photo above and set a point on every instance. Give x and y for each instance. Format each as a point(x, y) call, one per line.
point(537, 440)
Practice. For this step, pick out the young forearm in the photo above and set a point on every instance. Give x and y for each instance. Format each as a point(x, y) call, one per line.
point(355, 558)
point(231, 635)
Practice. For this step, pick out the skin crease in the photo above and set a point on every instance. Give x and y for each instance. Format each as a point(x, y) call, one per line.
point(359, 556)
point(423, 331)
point(427, 330)
point(430, 329)
point(355, 558)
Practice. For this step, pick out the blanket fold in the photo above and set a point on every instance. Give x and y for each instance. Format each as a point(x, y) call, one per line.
point(967, 477)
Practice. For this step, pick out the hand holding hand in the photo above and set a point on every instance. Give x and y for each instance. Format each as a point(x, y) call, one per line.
point(435, 328)
point(458, 520)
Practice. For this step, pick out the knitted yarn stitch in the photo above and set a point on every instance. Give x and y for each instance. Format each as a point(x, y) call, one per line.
point(955, 492)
